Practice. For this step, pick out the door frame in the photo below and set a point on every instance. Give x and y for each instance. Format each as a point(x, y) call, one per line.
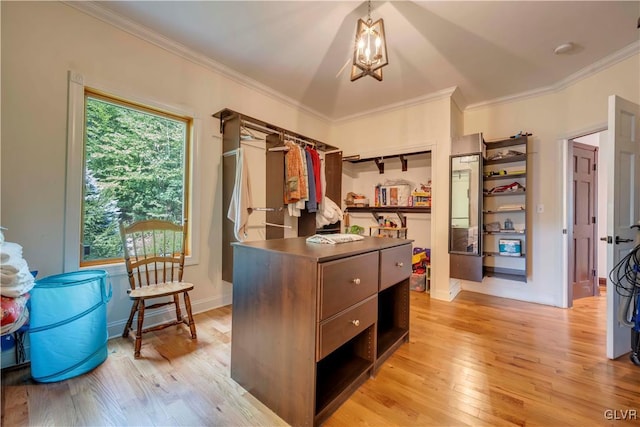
point(567, 205)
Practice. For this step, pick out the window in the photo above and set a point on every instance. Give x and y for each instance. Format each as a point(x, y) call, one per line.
point(135, 166)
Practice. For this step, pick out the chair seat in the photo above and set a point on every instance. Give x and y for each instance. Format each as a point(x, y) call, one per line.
point(160, 290)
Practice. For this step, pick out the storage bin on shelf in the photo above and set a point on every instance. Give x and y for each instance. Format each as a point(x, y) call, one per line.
point(68, 331)
point(420, 265)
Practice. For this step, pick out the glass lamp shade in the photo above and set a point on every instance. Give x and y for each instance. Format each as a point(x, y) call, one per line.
point(370, 50)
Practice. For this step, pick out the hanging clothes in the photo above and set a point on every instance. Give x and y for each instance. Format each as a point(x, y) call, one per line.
point(293, 174)
point(315, 158)
point(312, 202)
point(296, 185)
point(323, 183)
point(240, 206)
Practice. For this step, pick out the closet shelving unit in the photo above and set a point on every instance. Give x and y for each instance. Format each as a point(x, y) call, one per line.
point(233, 125)
point(377, 210)
point(398, 210)
point(503, 167)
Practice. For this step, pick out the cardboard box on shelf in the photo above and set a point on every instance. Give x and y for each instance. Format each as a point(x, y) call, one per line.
point(395, 195)
point(509, 247)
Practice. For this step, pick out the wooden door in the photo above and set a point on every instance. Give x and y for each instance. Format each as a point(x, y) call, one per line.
point(583, 239)
point(623, 207)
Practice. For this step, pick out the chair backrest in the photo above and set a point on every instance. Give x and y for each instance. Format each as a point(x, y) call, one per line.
point(154, 251)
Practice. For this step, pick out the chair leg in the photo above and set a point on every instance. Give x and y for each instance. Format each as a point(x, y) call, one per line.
point(136, 353)
point(127, 327)
point(192, 324)
point(176, 301)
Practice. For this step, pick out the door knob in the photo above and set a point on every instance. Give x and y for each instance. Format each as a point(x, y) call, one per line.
point(619, 240)
point(607, 239)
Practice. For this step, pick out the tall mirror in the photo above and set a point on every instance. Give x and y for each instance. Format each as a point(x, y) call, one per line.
point(465, 204)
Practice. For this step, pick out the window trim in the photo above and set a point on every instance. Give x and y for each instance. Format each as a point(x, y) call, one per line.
point(75, 171)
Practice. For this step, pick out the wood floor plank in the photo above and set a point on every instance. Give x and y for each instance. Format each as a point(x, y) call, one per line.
point(476, 361)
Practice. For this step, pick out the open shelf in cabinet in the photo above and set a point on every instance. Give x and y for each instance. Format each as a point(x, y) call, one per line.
point(506, 273)
point(508, 156)
point(343, 371)
point(393, 319)
point(499, 254)
point(499, 211)
point(506, 193)
point(510, 159)
point(505, 176)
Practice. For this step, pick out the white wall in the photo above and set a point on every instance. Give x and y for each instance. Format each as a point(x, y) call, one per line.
point(41, 41)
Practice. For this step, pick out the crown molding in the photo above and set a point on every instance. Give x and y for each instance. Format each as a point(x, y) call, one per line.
point(94, 9)
point(444, 93)
point(588, 71)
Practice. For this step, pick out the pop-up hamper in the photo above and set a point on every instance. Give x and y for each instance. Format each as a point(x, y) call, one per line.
point(68, 326)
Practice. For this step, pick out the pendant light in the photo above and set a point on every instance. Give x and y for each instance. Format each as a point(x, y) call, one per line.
point(370, 50)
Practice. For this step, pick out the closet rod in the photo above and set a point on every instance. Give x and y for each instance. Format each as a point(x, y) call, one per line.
point(295, 138)
point(268, 128)
point(268, 209)
point(257, 127)
point(283, 133)
point(277, 225)
point(282, 148)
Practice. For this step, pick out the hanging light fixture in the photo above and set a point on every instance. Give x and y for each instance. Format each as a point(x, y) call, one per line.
point(370, 51)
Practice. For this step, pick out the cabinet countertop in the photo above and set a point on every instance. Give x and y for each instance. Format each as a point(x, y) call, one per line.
point(298, 246)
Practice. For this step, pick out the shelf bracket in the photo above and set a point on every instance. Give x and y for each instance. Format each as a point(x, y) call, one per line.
point(404, 163)
point(403, 219)
point(380, 164)
point(376, 217)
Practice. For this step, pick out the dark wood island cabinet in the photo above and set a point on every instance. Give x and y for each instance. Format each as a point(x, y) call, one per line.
point(311, 322)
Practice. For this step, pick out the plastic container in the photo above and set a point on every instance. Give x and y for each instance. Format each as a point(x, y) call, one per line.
point(68, 325)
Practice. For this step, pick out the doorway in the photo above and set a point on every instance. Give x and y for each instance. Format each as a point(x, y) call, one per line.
point(586, 257)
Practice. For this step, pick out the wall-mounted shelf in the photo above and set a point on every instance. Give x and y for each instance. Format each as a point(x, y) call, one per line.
point(398, 210)
point(510, 159)
point(505, 193)
point(505, 176)
point(379, 160)
point(504, 211)
point(501, 255)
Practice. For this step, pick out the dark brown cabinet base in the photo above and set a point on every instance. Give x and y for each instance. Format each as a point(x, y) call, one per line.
point(311, 323)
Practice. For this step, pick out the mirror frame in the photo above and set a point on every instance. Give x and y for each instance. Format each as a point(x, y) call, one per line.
point(478, 207)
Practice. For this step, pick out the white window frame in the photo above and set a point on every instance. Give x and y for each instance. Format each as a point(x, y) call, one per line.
point(75, 172)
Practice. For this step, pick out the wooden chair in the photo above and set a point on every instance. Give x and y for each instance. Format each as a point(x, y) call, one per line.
point(154, 253)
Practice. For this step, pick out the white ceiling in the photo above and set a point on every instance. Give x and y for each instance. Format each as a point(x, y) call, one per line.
point(488, 49)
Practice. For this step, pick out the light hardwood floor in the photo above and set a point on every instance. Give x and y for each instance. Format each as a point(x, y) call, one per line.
point(477, 361)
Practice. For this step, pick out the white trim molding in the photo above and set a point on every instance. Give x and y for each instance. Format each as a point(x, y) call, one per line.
point(75, 164)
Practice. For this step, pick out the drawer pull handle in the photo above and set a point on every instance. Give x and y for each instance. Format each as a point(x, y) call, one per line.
point(355, 322)
point(356, 281)
point(399, 264)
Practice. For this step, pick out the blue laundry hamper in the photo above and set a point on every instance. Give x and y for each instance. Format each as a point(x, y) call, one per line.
point(68, 324)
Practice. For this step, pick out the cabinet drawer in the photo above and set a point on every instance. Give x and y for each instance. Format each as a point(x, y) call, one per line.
point(395, 265)
point(340, 329)
point(346, 282)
